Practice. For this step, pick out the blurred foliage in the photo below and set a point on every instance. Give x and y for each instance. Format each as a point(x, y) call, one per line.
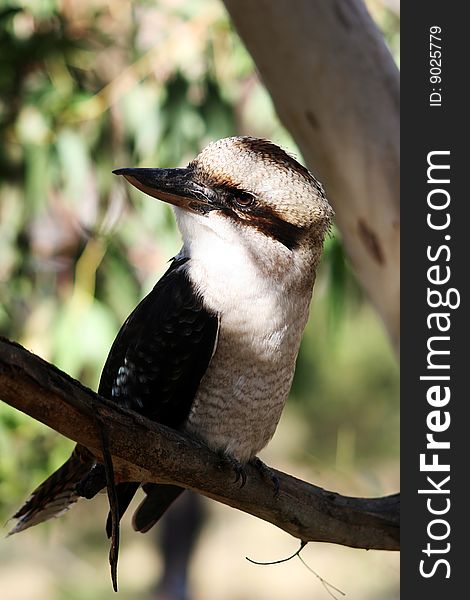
point(88, 86)
point(386, 14)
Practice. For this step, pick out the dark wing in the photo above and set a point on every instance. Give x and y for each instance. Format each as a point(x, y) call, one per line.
point(162, 351)
point(155, 366)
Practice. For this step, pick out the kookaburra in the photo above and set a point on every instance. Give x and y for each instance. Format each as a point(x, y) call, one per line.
point(211, 350)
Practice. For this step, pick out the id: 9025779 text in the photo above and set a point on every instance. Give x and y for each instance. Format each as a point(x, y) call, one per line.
point(435, 65)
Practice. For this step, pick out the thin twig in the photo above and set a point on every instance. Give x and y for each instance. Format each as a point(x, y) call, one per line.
point(281, 560)
point(326, 584)
point(113, 501)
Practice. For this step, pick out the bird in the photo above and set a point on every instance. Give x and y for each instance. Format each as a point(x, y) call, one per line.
point(211, 350)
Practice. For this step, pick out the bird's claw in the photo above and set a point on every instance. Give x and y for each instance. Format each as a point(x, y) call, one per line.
point(238, 468)
point(263, 469)
point(267, 473)
point(240, 474)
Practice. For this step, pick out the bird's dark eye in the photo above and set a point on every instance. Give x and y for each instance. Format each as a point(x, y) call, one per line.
point(243, 199)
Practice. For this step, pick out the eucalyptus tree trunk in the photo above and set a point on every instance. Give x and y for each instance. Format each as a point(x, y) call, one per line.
point(335, 87)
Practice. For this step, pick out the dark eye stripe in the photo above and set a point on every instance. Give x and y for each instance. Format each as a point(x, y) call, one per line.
point(271, 224)
point(262, 218)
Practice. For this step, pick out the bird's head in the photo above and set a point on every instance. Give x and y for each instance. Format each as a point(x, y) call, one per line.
point(244, 186)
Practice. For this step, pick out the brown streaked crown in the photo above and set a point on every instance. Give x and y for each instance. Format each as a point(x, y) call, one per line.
point(260, 184)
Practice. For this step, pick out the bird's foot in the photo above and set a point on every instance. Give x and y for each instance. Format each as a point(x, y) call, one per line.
point(266, 472)
point(93, 482)
point(238, 468)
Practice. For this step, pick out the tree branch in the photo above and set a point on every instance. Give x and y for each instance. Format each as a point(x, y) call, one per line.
point(145, 451)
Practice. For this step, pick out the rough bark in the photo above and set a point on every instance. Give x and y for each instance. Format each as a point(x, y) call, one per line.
point(145, 451)
point(335, 87)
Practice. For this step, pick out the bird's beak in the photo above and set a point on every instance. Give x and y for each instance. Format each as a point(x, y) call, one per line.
point(175, 186)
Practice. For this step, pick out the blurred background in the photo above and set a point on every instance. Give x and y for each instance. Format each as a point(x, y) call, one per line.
point(91, 85)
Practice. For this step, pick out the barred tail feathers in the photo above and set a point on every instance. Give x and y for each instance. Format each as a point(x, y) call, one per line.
point(54, 496)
